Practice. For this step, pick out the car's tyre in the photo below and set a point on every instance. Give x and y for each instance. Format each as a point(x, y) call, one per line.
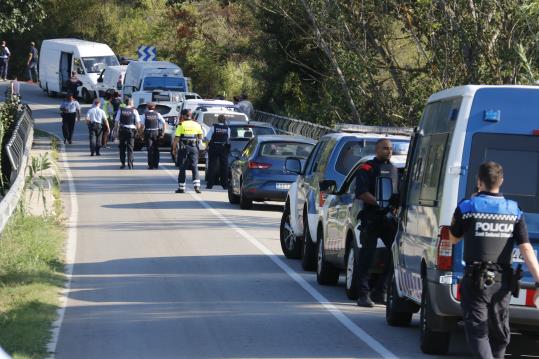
point(395, 316)
point(326, 273)
point(290, 243)
point(431, 342)
point(86, 97)
point(232, 197)
point(352, 272)
point(245, 203)
point(308, 259)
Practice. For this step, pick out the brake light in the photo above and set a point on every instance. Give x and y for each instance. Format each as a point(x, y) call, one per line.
point(322, 198)
point(445, 250)
point(535, 132)
point(258, 165)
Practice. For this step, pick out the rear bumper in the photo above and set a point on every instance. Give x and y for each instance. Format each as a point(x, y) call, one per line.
point(265, 188)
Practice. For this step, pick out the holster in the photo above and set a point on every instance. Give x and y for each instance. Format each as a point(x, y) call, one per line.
point(514, 284)
point(482, 274)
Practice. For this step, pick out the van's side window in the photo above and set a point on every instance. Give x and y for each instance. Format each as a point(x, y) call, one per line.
point(316, 159)
point(433, 170)
point(77, 65)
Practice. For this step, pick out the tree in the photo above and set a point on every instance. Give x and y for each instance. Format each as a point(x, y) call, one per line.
point(19, 16)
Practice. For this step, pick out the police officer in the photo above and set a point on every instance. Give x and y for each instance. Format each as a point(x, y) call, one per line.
point(490, 226)
point(154, 125)
point(96, 119)
point(219, 135)
point(374, 223)
point(127, 122)
point(185, 150)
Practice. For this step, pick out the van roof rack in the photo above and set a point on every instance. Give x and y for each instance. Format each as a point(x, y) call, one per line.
point(380, 130)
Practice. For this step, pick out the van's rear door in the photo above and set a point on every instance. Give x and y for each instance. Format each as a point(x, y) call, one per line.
point(519, 156)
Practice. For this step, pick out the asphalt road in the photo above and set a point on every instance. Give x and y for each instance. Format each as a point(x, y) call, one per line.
point(164, 275)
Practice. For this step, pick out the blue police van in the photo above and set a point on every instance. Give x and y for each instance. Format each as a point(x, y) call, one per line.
point(461, 128)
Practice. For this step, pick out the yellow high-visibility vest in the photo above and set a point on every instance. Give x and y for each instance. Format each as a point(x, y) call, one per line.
point(189, 129)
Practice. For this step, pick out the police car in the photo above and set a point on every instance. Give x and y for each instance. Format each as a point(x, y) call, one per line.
point(461, 128)
point(331, 159)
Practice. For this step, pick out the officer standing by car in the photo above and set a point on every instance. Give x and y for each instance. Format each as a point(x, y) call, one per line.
point(185, 150)
point(127, 122)
point(374, 223)
point(219, 136)
point(154, 126)
point(490, 225)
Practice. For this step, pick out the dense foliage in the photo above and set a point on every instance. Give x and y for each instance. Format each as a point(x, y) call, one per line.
point(320, 60)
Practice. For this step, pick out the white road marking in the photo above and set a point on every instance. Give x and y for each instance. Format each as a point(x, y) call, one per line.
point(340, 316)
point(70, 252)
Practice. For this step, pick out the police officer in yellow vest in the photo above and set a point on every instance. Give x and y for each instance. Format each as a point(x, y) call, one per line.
point(185, 150)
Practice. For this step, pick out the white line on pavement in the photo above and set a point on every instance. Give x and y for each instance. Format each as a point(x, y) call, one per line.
point(70, 252)
point(339, 315)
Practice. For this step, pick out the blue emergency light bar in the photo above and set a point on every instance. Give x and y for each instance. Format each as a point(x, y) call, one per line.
point(492, 115)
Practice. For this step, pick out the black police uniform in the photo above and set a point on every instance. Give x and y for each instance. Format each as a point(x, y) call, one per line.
point(126, 135)
point(218, 155)
point(151, 135)
point(374, 224)
point(490, 225)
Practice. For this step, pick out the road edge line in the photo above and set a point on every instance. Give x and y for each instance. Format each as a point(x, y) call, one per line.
point(319, 297)
point(70, 252)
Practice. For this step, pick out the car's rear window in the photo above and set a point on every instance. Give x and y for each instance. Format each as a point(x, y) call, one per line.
point(286, 149)
point(249, 131)
point(162, 109)
point(210, 119)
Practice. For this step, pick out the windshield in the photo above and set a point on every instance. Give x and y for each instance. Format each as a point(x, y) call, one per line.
point(354, 151)
point(238, 144)
point(94, 65)
point(286, 149)
point(164, 83)
point(209, 119)
point(249, 131)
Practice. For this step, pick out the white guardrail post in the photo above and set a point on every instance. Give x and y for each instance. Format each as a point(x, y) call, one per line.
point(18, 151)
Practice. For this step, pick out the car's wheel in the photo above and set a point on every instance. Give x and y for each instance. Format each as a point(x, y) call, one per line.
point(395, 316)
point(326, 273)
point(352, 272)
point(290, 243)
point(245, 203)
point(308, 260)
point(432, 342)
point(86, 97)
point(232, 197)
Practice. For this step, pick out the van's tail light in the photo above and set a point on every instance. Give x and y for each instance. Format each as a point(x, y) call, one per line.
point(535, 132)
point(258, 165)
point(322, 198)
point(445, 250)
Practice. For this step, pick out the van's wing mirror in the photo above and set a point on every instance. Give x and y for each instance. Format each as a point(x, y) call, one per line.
point(384, 191)
point(293, 165)
point(328, 186)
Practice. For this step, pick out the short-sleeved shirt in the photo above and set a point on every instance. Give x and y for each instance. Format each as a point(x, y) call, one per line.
point(137, 119)
point(159, 118)
point(189, 130)
point(96, 115)
point(70, 106)
point(491, 225)
point(33, 53)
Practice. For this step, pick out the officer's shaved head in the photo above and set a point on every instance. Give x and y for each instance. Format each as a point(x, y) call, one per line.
point(490, 175)
point(384, 149)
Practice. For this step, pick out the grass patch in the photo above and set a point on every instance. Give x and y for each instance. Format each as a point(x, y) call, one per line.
point(31, 275)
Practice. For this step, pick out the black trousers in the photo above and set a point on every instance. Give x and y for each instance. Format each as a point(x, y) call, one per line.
point(96, 135)
point(373, 227)
point(127, 142)
point(486, 318)
point(188, 159)
point(68, 125)
point(151, 138)
point(3, 68)
point(218, 165)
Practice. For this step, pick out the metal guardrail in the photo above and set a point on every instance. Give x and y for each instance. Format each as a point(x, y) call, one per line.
point(292, 126)
point(16, 145)
point(18, 150)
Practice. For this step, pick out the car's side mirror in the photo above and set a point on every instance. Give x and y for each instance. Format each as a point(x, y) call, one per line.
point(327, 186)
point(293, 165)
point(384, 191)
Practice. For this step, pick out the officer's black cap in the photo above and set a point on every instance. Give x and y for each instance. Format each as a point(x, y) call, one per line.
point(185, 112)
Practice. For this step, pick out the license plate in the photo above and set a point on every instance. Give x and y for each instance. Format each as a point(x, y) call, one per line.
point(282, 186)
point(517, 257)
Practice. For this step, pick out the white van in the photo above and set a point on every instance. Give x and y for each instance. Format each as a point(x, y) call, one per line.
point(59, 57)
point(112, 77)
point(149, 76)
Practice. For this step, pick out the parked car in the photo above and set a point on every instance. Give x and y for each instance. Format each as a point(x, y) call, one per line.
point(241, 133)
point(169, 111)
point(338, 233)
point(332, 159)
point(259, 173)
point(461, 128)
